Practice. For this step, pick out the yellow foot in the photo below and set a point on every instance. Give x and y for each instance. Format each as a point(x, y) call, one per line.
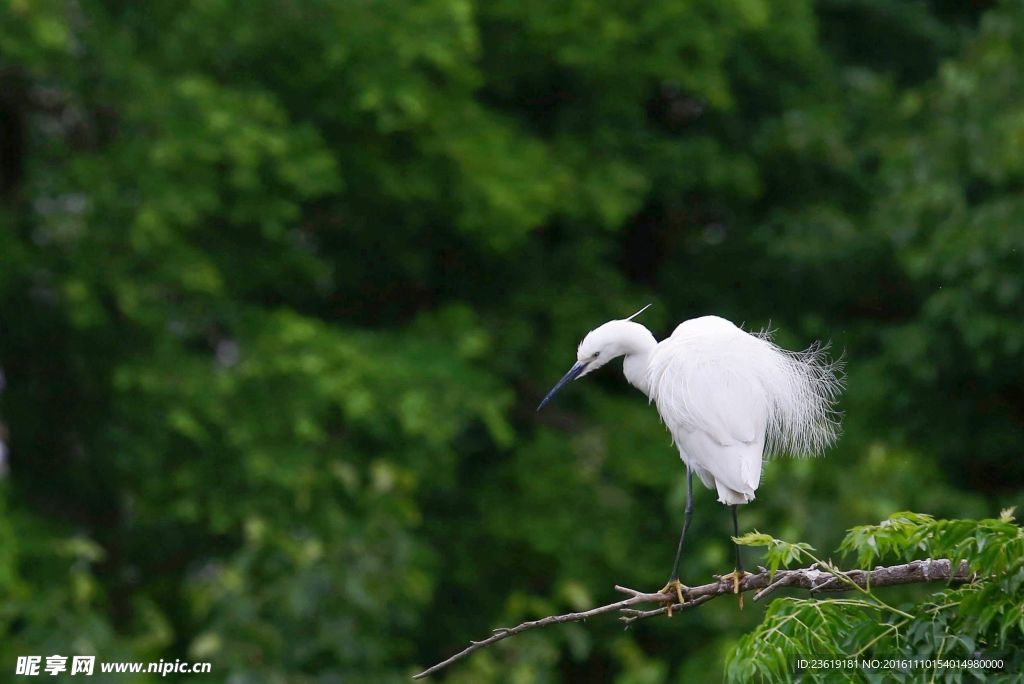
point(674, 587)
point(736, 576)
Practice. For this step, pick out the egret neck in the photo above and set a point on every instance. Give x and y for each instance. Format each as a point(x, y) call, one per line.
point(637, 344)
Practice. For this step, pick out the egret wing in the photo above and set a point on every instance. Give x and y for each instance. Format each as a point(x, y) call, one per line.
point(717, 413)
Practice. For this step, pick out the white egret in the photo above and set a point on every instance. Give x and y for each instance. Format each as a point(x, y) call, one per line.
point(728, 397)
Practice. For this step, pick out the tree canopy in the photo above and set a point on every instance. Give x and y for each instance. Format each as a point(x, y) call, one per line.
point(282, 282)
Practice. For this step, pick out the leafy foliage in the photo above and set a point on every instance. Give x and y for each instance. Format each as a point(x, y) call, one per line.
point(993, 546)
point(281, 283)
point(984, 617)
point(778, 553)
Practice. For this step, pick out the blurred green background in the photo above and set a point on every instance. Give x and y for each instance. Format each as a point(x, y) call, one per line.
point(281, 284)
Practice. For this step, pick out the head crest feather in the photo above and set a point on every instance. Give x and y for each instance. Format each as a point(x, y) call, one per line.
point(640, 311)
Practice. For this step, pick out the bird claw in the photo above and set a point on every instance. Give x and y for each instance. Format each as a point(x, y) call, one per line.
point(736, 576)
point(676, 587)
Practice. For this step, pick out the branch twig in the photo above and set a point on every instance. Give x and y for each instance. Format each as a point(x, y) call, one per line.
point(812, 579)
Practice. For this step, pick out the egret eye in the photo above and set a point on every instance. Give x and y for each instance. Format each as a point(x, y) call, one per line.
point(595, 355)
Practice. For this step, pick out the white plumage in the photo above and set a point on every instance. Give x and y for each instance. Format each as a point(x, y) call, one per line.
point(728, 397)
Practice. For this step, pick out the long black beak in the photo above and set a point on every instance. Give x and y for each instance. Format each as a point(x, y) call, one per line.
point(573, 373)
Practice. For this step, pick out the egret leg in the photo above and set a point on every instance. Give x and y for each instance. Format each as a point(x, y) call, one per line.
point(687, 516)
point(674, 585)
point(737, 574)
point(739, 556)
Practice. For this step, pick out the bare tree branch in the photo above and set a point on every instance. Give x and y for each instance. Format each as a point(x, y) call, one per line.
point(811, 578)
point(635, 597)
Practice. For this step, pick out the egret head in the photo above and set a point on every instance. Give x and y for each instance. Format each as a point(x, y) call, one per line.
point(601, 345)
